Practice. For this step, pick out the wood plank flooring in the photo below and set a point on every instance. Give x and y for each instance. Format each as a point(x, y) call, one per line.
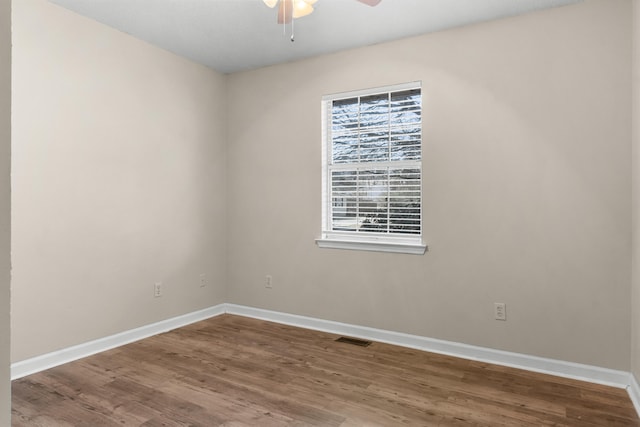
point(234, 371)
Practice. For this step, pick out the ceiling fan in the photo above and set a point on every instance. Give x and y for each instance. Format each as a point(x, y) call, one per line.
point(293, 9)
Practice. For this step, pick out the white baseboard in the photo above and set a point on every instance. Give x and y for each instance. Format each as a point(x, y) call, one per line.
point(56, 358)
point(594, 374)
point(634, 392)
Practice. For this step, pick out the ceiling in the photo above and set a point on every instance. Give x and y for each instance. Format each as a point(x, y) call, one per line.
point(236, 35)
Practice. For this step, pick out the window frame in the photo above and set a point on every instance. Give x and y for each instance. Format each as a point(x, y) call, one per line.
point(379, 242)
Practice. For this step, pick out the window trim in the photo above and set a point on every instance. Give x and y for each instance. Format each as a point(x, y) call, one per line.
point(334, 242)
point(362, 240)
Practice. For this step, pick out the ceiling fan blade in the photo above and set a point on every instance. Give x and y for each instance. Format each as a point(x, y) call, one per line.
point(370, 2)
point(285, 11)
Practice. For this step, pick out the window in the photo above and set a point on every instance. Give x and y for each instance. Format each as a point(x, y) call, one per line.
point(372, 170)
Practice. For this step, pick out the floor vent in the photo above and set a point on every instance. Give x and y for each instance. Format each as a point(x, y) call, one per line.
point(354, 341)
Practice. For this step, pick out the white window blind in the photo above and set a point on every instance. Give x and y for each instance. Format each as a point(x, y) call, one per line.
point(373, 165)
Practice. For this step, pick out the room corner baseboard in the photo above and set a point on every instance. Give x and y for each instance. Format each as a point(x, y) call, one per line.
point(40, 363)
point(594, 374)
point(634, 392)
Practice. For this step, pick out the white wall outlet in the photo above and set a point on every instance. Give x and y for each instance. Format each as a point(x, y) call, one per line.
point(268, 282)
point(500, 310)
point(203, 280)
point(157, 289)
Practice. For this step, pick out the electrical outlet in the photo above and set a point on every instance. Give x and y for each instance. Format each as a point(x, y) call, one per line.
point(203, 280)
point(500, 310)
point(268, 282)
point(157, 289)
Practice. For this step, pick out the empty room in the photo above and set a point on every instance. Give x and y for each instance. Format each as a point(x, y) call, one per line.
point(328, 213)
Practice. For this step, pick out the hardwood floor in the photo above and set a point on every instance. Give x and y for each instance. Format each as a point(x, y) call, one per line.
point(236, 371)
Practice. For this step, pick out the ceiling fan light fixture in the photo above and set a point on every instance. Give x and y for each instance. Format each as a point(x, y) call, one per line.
point(301, 8)
point(288, 10)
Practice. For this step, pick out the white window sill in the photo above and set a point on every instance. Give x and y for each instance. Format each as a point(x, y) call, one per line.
point(375, 246)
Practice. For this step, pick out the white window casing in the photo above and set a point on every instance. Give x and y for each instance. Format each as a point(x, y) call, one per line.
point(372, 170)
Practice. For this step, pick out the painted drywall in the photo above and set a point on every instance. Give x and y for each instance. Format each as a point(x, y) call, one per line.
point(635, 283)
point(526, 187)
point(5, 210)
point(118, 181)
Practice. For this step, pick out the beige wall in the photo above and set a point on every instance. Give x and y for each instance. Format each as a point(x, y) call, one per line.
point(5, 211)
point(526, 187)
point(635, 284)
point(118, 181)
